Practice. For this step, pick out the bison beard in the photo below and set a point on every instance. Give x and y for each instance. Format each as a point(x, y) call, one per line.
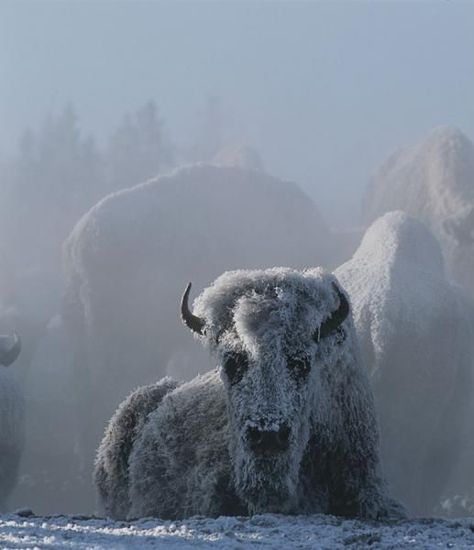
point(266, 480)
point(267, 484)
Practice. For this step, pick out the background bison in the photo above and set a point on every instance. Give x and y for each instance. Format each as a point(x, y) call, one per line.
point(417, 344)
point(12, 419)
point(434, 182)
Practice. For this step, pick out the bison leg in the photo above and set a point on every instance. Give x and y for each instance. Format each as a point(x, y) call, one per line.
point(356, 488)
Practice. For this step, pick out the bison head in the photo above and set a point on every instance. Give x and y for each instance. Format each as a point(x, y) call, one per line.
point(278, 335)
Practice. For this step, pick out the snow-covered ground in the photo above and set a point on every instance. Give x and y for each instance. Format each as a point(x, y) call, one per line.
point(270, 531)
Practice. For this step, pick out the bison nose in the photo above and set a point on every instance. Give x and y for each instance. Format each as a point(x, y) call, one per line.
point(261, 441)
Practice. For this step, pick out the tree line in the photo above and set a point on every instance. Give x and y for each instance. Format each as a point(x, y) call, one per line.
point(57, 173)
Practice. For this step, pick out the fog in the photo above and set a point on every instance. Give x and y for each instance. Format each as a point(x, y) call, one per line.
point(269, 133)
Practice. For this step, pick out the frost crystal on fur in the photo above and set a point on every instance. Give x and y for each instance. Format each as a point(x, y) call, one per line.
point(284, 424)
point(415, 340)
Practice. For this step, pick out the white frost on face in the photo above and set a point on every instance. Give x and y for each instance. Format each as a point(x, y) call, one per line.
point(266, 322)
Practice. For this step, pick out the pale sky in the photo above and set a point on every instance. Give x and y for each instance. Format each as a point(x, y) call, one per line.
point(324, 91)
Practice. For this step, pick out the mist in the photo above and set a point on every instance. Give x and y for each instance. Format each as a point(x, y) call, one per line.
point(144, 145)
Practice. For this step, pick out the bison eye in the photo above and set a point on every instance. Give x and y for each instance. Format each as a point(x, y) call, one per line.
point(235, 365)
point(299, 367)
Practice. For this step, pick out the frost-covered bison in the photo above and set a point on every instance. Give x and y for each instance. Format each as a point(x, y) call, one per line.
point(11, 418)
point(434, 182)
point(415, 339)
point(125, 262)
point(285, 424)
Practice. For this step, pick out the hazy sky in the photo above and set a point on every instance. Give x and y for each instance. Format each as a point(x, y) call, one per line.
point(323, 90)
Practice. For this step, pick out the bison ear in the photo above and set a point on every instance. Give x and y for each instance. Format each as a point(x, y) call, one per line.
point(336, 318)
point(196, 324)
point(10, 347)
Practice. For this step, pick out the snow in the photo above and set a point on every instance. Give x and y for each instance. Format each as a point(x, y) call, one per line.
point(264, 531)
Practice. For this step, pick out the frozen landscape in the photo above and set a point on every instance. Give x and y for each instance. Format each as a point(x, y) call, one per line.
point(263, 531)
point(316, 161)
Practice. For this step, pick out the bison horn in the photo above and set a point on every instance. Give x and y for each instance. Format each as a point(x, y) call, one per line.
point(9, 350)
point(336, 318)
point(196, 324)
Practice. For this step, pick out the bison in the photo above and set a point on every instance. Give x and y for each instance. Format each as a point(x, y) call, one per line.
point(284, 424)
point(11, 419)
point(415, 337)
point(434, 182)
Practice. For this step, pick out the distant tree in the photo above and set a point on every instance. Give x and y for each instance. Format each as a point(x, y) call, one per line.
point(212, 126)
point(139, 149)
point(55, 176)
point(208, 139)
